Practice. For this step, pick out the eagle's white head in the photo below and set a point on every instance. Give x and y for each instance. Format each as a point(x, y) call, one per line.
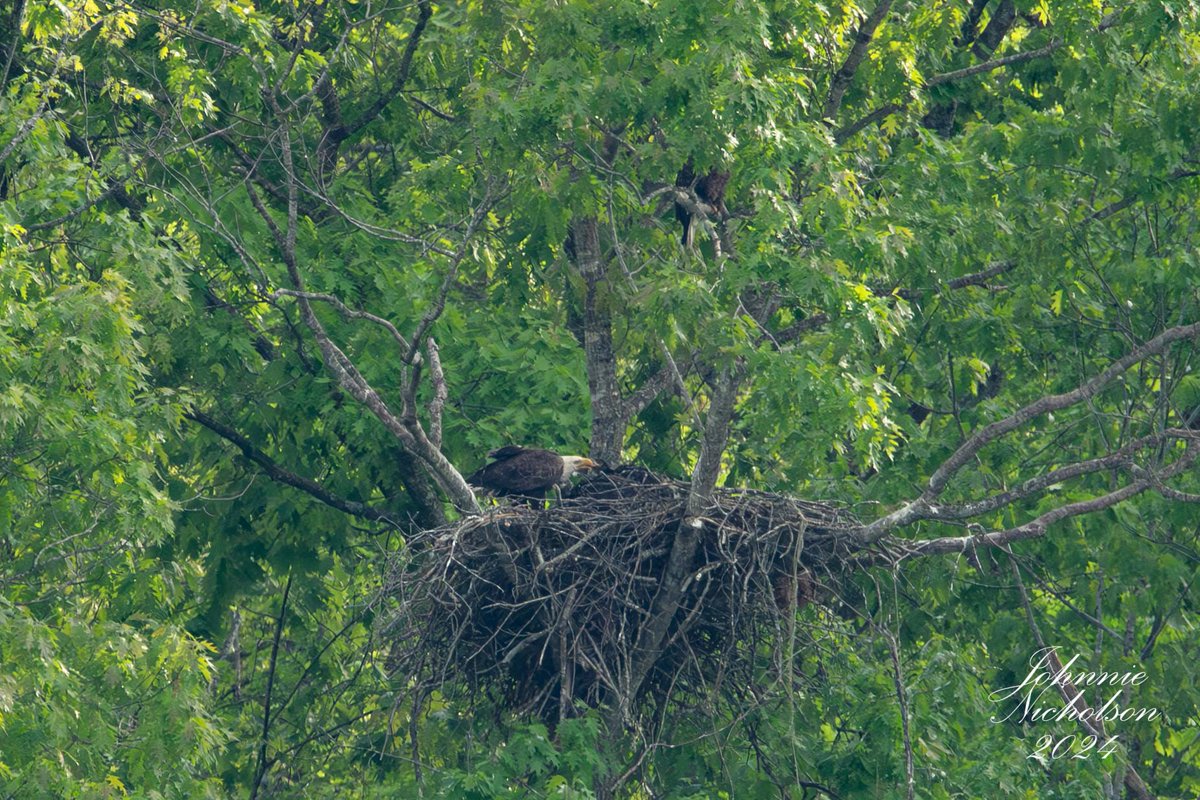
point(573, 464)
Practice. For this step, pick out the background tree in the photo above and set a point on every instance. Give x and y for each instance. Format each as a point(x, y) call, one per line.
point(276, 276)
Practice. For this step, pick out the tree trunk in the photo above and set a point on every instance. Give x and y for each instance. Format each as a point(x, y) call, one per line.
point(608, 419)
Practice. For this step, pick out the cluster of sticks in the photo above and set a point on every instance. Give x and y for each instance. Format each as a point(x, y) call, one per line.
point(542, 606)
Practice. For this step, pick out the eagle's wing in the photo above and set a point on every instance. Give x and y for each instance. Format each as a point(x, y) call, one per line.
point(519, 470)
point(532, 471)
point(508, 451)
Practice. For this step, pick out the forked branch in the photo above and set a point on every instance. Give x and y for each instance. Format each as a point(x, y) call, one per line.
point(1036, 527)
point(926, 506)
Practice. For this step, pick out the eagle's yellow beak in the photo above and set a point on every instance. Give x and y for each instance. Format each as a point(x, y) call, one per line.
point(586, 464)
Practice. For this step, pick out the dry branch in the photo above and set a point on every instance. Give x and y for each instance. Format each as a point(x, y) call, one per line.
point(1037, 526)
point(440, 393)
point(278, 473)
point(925, 506)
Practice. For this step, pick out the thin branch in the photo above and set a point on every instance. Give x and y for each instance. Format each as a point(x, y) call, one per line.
point(278, 473)
point(646, 394)
point(1125, 202)
point(112, 189)
point(1121, 457)
point(263, 763)
point(346, 311)
point(22, 132)
point(432, 109)
point(848, 131)
point(982, 277)
point(1084, 714)
point(820, 320)
point(993, 64)
point(1054, 403)
point(922, 507)
point(1160, 621)
point(902, 697)
point(349, 378)
point(1036, 527)
point(379, 231)
point(439, 304)
point(801, 327)
point(249, 166)
point(424, 12)
point(337, 130)
point(884, 111)
point(82, 148)
point(15, 16)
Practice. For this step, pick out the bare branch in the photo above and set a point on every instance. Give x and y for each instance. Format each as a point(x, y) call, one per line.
point(816, 321)
point(846, 132)
point(112, 189)
point(412, 438)
point(994, 64)
point(22, 132)
point(13, 26)
point(982, 277)
point(439, 303)
point(923, 507)
point(346, 311)
point(437, 112)
point(409, 433)
point(1085, 715)
point(265, 763)
point(646, 394)
point(902, 699)
point(1036, 527)
point(801, 327)
point(403, 71)
point(438, 378)
point(1176, 495)
point(1125, 202)
point(336, 129)
point(1053, 403)
point(278, 473)
point(379, 231)
point(1118, 458)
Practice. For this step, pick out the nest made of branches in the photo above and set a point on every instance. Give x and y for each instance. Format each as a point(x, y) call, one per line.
point(543, 606)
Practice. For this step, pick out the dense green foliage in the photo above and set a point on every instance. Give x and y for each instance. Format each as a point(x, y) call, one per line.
point(196, 513)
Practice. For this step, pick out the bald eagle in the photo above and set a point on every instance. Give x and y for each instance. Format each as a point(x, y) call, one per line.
point(527, 472)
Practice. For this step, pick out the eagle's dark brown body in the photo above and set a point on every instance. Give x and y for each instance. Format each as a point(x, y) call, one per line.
point(710, 189)
point(527, 472)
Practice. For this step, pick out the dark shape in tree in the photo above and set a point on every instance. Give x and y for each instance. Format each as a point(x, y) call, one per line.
point(710, 190)
point(940, 119)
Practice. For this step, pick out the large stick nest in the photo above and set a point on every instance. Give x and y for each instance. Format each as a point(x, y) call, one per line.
point(542, 607)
